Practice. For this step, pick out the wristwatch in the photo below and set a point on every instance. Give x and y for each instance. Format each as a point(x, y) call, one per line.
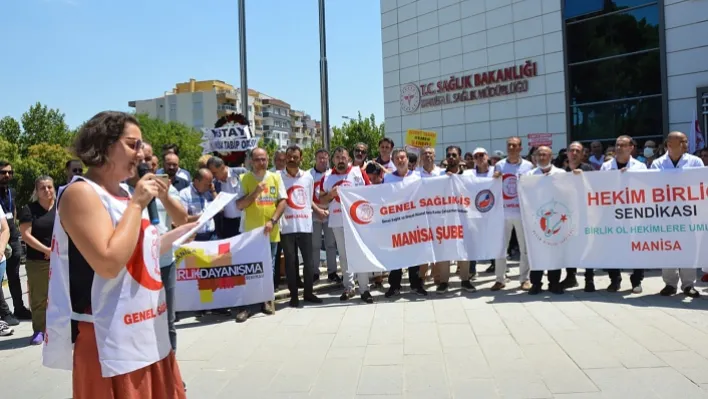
point(273, 222)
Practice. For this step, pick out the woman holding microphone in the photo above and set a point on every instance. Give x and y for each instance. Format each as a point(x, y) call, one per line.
point(105, 290)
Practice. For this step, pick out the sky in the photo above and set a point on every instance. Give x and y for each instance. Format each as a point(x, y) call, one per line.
point(86, 56)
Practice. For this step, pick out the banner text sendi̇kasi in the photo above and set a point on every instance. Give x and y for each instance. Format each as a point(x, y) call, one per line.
point(637, 219)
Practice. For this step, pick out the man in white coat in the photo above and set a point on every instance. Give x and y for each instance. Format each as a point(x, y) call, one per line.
point(544, 156)
point(623, 161)
point(677, 158)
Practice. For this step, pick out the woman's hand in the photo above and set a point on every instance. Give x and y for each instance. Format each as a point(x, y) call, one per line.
point(147, 188)
point(183, 229)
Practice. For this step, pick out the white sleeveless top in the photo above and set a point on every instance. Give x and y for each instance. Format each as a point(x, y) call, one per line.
point(128, 311)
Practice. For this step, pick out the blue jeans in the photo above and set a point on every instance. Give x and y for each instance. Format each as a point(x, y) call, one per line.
point(276, 266)
point(4, 308)
point(169, 281)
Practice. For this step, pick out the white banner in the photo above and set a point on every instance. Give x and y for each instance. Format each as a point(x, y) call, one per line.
point(393, 226)
point(226, 273)
point(228, 139)
point(606, 220)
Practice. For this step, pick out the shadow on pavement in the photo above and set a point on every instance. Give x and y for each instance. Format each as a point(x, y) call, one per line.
point(11, 342)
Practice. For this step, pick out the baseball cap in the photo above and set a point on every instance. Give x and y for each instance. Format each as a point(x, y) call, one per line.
point(499, 153)
point(479, 150)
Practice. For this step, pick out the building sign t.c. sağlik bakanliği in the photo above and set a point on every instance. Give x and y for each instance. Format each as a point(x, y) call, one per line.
point(493, 83)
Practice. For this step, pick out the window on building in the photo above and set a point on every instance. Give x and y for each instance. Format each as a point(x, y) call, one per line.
point(703, 111)
point(614, 69)
point(637, 118)
point(576, 9)
point(615, 78)
point(615, 34)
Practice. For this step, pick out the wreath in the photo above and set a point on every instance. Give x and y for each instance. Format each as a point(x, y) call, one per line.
point(232, 158)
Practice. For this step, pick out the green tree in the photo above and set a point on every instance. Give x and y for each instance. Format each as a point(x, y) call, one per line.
point(363, 130)
point(9, 151)
point(41, 159)
point(41, 124)
point(308, 158)
point(159, 133)
point(10, 129)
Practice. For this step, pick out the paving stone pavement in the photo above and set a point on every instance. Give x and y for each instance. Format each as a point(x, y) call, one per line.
point(459, 345)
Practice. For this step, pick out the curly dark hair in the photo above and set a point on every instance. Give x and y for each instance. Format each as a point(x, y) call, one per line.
point(99, 134)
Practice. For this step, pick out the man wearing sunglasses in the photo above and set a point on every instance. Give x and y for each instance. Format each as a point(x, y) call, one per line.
point(73, 168)
point(8, 199)
point(360, 152)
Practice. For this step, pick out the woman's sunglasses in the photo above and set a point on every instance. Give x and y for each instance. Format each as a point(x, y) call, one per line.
point(136, 145)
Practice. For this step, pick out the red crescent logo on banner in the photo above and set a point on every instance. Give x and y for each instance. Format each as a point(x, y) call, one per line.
point(361, 212)
point(136, 266)
point(297, 197)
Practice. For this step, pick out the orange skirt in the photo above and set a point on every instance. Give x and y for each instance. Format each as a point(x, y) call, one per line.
point(161, 380)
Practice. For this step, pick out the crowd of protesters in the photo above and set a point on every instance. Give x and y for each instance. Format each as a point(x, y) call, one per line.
point(125, 174)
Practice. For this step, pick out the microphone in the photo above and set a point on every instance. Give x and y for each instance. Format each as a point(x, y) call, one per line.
point(152, 207)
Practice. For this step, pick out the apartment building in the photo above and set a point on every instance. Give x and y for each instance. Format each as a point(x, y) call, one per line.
point(197, 103)
point(303, 128)
point(201, 103)
point(276, 121)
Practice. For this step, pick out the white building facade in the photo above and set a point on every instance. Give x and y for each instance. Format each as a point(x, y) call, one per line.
point(196, 109)
point(686, 24)
point(480, 71)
